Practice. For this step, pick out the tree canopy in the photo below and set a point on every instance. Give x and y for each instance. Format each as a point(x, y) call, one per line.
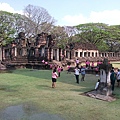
point(36, 19)
point(105, 37)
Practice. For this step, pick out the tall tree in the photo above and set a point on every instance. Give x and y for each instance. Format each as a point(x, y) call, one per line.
point(6, 27)
point(94, 33)
point(41, 19)
point(60, 35)
point(113, 39)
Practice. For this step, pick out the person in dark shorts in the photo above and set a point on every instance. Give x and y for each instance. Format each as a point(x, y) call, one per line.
point(54, 78)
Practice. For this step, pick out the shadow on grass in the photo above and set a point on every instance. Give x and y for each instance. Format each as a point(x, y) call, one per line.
point(42, 87)
point(82, 90)
point(8, 88)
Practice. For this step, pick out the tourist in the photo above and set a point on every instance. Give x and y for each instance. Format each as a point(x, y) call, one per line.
point(46, 65)
point(68, 69)
point(97, 63)
point(59, 71)
point(118, 77)
point(97, 84)
point(77, 72)
point(112, 79)
point(61, 68)
point(97, 71)
point(63, 57)
point(82, 73)
point(51, 66)
point(92, 65)
point(87, 64)
point(43, 61)
point(100, 62)
point(77, 63)
point(54, 78)
point(56, 66)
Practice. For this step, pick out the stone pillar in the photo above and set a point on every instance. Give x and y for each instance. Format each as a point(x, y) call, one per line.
point(51, 54)
point(83, 54)
point(15, 52)
point(105, 86)
point(61, 53)
point(3, 54)
point(90, 54)
point(94, 54)
point(57, 54)
point(48, 56)
point(86, 53)
point(64, 52)
point(36, 52)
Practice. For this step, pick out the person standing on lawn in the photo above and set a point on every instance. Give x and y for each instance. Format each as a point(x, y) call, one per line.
point(68, 70)
point(118, 78)
point(77, 63)
point(82, 73)
point(59, 71)
point(113, 78)
point(54, 78)
point(77, 72)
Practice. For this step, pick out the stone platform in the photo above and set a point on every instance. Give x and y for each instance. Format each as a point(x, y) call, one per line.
point(96, 95)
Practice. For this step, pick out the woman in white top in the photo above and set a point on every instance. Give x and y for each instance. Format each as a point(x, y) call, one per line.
point(118, 77)
point(77, 72)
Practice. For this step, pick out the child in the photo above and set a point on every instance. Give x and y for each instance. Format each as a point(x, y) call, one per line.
point(96, 71)
point(59, 71)
point(54, 78)
point(92, 65)
point(68, 71)
point(97, 84)
point(77, 63)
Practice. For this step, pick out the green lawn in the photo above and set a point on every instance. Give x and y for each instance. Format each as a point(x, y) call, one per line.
point(34, 86)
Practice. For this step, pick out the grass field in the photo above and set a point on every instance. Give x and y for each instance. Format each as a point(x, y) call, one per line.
point(34, 86)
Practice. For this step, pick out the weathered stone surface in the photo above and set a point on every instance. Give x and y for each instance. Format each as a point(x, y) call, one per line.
point(96, 95)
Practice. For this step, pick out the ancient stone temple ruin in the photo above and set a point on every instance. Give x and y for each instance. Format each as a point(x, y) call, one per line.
point(24, 52)
point(103, 90)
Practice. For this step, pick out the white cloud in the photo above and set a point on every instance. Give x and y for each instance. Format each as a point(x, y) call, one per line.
point(109, 17)
point(8, 8)
point(74, 20)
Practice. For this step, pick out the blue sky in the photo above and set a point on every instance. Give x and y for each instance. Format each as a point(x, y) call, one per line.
point(71, 12)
